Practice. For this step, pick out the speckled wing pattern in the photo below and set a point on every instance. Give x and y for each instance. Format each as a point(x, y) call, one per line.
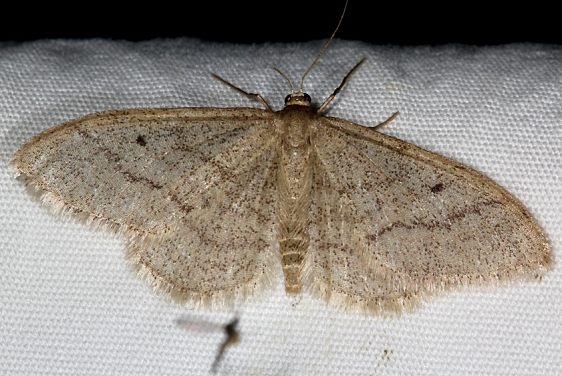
point(192, 189)
point(215, 203)
point(393, 223)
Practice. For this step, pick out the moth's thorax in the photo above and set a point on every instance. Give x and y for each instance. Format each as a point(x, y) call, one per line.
point(294, 147)
point(295, 123)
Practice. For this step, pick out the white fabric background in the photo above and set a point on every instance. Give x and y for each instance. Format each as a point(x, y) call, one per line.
point(70, 305)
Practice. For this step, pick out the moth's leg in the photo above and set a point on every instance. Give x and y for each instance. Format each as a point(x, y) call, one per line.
point(339, 88)
point(253, 96)
point(390, 118)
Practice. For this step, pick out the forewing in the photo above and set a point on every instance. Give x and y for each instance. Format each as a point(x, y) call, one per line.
point(392, 222)
point(122, 167)
point(194, 190)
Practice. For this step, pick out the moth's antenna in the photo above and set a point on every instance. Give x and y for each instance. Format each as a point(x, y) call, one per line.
point(324, 48)
point(284, 75)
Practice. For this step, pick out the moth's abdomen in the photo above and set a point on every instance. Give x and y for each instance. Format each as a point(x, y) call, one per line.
point(293, 251)
point(294, 189)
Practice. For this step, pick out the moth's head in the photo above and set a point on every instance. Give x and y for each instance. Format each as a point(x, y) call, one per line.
point(298, 99)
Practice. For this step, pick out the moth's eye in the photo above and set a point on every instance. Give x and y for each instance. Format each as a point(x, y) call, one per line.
point(307, 98)
point(287, 98)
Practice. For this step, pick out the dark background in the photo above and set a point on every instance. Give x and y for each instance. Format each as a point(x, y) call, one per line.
point(251, 21)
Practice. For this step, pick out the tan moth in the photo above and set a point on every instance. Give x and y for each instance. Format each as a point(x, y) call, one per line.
point(214, 202)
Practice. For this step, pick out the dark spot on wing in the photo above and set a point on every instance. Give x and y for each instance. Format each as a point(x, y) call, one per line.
point(437, 188)
point(141, 141)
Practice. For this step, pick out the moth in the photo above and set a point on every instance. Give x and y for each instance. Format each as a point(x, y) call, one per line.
point(215, 203)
